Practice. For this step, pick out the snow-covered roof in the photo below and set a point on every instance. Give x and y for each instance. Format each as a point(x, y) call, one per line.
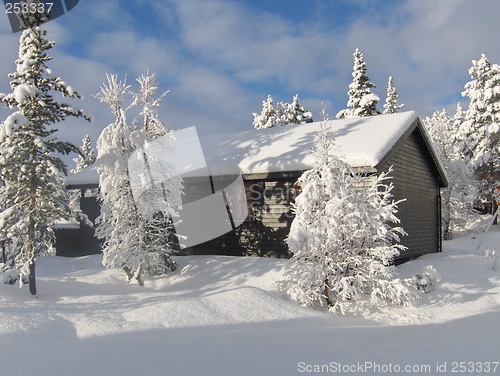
point(361, 142)
point(84, 177)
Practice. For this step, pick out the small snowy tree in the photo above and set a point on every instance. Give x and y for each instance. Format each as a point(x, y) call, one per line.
point(482, 124)
point(458, 198)
point(341, 240)
point(362, 102)
point(282, 114)
point(391, 103)
point(295, 113)
point(34, 195)
point(87, 155)
point(269, 117)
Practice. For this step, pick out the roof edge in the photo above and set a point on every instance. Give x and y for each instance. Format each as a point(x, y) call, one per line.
point(417, 124)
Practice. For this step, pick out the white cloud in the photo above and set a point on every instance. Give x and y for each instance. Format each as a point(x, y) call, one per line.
point(220, 59)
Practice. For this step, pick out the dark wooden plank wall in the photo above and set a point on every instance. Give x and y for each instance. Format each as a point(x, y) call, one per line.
point(265, 230)
point(74, 242)
point(275, 217)
point(415, 178)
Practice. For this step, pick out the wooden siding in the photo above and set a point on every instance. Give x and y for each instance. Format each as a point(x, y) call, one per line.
point(72, 242)
point(416, 179)
point(265, 230)
point(276, 216)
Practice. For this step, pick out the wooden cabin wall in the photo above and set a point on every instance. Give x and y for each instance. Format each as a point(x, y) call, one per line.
point(415, 179)
point(265, 230)
point(73, 242)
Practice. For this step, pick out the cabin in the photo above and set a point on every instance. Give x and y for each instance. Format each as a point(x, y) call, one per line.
point(269, 161)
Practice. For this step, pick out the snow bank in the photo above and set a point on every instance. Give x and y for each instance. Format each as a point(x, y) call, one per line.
point(221, 316)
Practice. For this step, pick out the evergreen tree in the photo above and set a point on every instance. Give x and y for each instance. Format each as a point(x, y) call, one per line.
point(295, 113)
point(391, 103)
point(458, 198)
point(282, 114)
point(87, 155)
point(34, 195)
point(362, 102)
point(340, 238)
point(269, 117)
point(152, 124)
point(129, 225)
point(162, 200)
point(481, 125)
point(120, 224)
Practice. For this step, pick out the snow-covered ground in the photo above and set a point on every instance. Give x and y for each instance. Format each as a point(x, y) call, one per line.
point(224, 316)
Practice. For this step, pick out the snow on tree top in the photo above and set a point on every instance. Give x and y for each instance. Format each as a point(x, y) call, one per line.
point(361, 142)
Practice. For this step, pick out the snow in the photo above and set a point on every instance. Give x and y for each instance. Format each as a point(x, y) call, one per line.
point(24, 91)
point(219, 315)
point(11, 123)
point(361, 142)
point(86, 176)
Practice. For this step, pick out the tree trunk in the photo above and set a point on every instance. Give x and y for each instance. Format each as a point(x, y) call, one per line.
point(31, 278)
point(31, 231)
point(3, 258)
point(493, 189)
point(494, 208)
point(446, 230)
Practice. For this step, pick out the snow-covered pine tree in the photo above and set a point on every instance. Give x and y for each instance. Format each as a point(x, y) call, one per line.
point(87, 155)
point(152, 124)
point(295, 113)
point(120, 224)
point(163, 199)
point(341, 240)
point(362, 102)
point(458, 198)
point(482, 125)
point(34, 195)
point(127, 231)
point(269, 117)
point(391, 102)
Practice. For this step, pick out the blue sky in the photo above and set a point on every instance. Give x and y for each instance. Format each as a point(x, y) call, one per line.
point(220, 59)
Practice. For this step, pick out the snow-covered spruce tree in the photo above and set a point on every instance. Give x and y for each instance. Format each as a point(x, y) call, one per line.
point(269, 117)
point(362, 102)
point(34, 194)
point(120, 224)
point(126, 230)
point(87, 155)
point(163, 199)
point(458, 198)
point(341, 240)
point(482, 125)
point(282, 114)
point(295, 113)
point(151, 123)
point(391, 102)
